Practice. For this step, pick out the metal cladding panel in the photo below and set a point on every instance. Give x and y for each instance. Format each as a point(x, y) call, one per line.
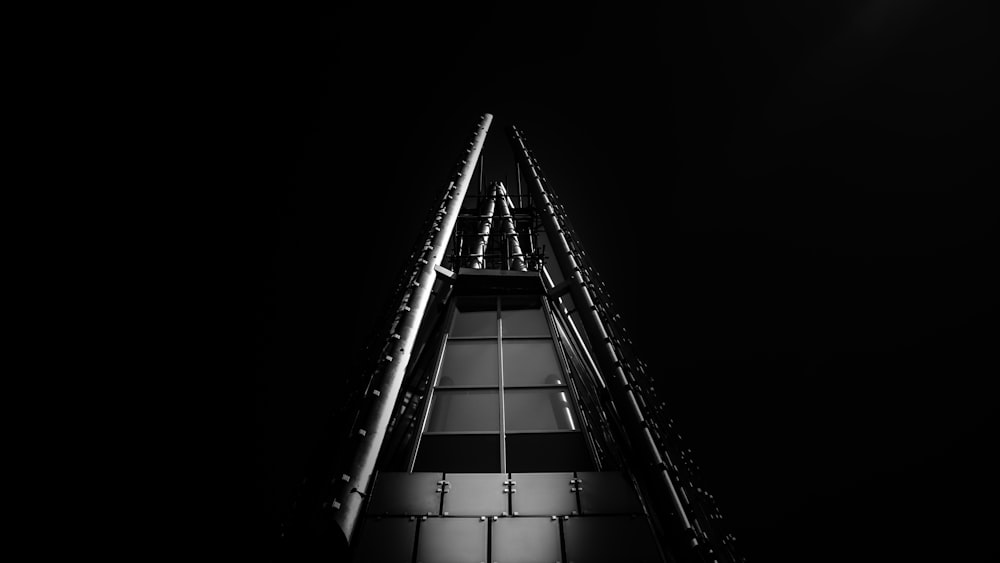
point(452, 540)
point(475, 494)
point(543, 494)
point(526, 540)
point(606, 539)
point(607, 492)
point(387, 540)
point(404, 494)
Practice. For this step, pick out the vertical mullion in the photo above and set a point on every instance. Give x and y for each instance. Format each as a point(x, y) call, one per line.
point(503, 412)
point(434, 381)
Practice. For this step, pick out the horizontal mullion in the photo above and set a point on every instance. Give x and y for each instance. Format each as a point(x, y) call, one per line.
point(462, 433)
point(528, 337)
point(556, 431)
point(549, 386)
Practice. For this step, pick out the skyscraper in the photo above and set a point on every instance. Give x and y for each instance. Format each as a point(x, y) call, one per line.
point(504, 415)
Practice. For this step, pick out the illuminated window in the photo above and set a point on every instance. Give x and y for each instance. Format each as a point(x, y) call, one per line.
point(501, 402)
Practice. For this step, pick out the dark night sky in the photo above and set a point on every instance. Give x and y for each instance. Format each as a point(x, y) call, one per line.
point(793, 204)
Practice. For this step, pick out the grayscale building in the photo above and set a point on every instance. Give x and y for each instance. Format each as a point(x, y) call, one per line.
point(504, 416)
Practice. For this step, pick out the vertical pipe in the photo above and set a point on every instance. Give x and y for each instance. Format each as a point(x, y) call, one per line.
point(576, 333)
point(520, 202)
point(509, 231)
point(352, 485)
point(478, 253)
point(607, 358)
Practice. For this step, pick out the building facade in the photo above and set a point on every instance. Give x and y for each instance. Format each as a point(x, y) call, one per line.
point(505, 416)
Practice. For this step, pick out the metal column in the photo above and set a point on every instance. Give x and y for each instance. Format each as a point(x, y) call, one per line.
point(369, 433)
point(610, 363)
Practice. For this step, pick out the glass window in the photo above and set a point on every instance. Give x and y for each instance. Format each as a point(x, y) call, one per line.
point(531, 362)
point(475, 453)
point(464, 410)
point(470, 362)
point(523, 317)
point(563, 451)
point(476, 316)
point(538, 409)
point(465, 430)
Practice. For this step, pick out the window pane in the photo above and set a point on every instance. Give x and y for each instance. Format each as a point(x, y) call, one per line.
point(476, 316)
point(531, 362)
point(478, 453)
point(469, 362)
point(523, 317)
point(565, 451)
point(539, 409)
point(464, 410)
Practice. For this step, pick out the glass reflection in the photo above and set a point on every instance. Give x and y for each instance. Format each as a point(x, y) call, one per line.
point(538, 409)
point(469, 362)
point(524, 322)
point(464, 410)
point(476, 316)
point(530, 362)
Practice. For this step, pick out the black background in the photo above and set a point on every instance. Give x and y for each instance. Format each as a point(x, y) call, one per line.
point(793, 204)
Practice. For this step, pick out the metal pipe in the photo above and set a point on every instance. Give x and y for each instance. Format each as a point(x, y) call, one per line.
point(478, 253)
point(576, 333)
point(507, 226)
point(351, 486)
point(607, 358)
point(517, 174)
